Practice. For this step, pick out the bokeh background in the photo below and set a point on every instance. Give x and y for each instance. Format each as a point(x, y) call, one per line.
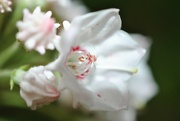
point(158, 19)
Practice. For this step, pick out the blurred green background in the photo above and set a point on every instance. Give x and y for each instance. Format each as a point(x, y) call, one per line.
point(159, 19)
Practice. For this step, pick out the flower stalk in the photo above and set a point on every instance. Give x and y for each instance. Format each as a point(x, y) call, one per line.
point(8, 53)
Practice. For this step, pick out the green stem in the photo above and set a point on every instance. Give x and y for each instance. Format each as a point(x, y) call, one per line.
point(5, 73)
point(7, 53)
point(16, 15)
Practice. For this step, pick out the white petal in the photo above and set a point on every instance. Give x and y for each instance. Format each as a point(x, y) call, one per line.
point(90, 27)
point(143, 80)
point(37, 10)
point(120, 50)
point(30, 44)
point(68, 39)
point(66, 25)
point(142, 86)
point(48, 14)
point(56, 25)
point(103, 93)
point(144, 41)
point(50, 46)
point(41, 50)
point(111, 92)
point(97, 26)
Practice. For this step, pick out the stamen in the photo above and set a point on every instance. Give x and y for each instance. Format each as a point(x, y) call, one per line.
point(80, 62)
point(110, 67)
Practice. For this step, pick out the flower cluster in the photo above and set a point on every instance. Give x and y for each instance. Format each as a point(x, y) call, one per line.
point(96, 78)
point(96, 59)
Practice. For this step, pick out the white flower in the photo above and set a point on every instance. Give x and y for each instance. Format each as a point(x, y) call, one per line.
point(37, 30)
point(39, 87)
point(4, 5)
point(68, 9)
point(142, 87)
point(97, 82)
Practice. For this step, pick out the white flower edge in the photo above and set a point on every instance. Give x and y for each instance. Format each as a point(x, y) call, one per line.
point(143, 85)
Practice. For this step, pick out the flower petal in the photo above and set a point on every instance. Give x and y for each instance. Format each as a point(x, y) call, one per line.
point(111, 92)
point(97, 26)
point(99, 95)
point(120, 51)
point(142, 86)
point(143, 80)
point(145, 42)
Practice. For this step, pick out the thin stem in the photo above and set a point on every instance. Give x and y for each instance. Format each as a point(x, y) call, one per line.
point(7, 53)
point(5, 73)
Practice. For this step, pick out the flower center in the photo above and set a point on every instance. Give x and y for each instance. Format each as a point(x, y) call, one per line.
point(81, 62)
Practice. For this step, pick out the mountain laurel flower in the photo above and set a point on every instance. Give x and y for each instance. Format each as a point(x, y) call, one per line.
point(38, 87)
point(37, 30)
point(4, 5)
point(96, 60)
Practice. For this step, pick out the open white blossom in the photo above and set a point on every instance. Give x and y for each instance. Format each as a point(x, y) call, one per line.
point(39, 86)
point(5, 5)
point(96, 60)
point(142, 87)
point(37, 30)
point(68, 9)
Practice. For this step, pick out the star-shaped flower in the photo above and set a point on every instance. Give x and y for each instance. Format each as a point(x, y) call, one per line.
point(97, 81)
point(37, 30)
